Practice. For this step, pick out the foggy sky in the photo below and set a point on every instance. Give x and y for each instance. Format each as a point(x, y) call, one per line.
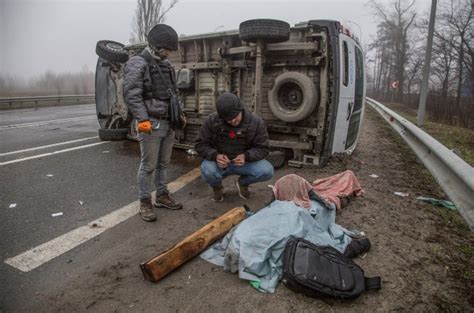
point(37, 35)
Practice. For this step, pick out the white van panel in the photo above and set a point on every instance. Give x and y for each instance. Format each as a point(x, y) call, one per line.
point(346, 94)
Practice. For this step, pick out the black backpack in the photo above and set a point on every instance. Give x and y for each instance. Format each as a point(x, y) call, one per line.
point(322, 271)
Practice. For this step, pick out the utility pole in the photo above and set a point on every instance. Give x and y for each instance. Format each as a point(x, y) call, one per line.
point(426, 68)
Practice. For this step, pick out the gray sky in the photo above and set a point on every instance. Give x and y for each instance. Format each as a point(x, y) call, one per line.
point(37, 35)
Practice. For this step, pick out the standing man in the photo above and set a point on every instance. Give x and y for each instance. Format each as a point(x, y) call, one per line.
point(147, 78)
point(233, 141)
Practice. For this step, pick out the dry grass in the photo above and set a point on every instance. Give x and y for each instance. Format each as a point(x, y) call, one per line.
point(458, 139)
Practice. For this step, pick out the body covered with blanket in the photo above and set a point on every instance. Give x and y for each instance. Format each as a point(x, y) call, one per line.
point(254, 248)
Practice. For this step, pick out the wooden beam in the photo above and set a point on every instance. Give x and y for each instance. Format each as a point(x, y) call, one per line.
point(161, 265)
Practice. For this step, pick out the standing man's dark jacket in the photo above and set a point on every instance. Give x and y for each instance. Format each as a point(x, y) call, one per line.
point(144, 90)
point(218, 137)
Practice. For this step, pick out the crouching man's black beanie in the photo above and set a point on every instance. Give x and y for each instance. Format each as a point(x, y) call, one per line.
point(228, 106)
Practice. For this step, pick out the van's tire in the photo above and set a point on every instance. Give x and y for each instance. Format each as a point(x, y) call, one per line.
point(111, 51)
point(276, 158)
point(267, 30)
point(113, 134)
point(293, 97)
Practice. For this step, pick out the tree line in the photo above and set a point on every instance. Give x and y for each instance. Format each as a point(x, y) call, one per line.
point(396, 54)
point(147, 14)
point(49, 83)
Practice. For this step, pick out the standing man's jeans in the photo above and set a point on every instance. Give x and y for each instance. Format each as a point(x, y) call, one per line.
point(155, 151)
point(250, 172)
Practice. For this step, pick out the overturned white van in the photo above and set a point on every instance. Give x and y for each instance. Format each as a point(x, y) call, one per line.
point(307, 82)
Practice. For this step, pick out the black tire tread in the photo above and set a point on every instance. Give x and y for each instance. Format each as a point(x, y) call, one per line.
point(268, 30)
point(113, 134)
point(109, 55)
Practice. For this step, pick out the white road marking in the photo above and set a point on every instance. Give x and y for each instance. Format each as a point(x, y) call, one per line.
point(47, 146)
point(52, 153)
point(41, 123)
point(41, 254)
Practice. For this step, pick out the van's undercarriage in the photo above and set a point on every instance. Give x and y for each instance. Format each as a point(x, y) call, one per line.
point(283, 75)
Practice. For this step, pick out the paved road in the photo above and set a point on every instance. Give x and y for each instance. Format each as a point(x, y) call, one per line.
point(84, 179)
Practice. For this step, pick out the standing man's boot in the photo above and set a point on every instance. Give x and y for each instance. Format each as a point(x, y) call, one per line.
point(146, 210)
point(167, 202)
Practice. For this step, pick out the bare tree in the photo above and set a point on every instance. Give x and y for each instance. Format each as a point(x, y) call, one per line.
point(454, 53)
point(85, 79)
point(395, 24)
point(458, 20)
point(147, 14)
point(398, 50)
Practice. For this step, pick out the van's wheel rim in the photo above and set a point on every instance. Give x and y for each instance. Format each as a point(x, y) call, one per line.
point(293, 96)
point(290, 96)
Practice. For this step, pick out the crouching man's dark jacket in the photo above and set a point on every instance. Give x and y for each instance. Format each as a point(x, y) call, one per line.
point(218, 137)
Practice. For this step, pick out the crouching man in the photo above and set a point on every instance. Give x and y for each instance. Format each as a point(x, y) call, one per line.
point(233, 141)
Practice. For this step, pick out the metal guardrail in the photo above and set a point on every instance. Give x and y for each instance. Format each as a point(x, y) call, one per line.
point(38, 100)
point(452, 173)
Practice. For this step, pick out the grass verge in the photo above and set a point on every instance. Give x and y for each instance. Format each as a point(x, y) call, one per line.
point(459, 139)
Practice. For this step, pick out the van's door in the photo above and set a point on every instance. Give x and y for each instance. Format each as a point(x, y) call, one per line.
point(346, 93)
point(355, 124)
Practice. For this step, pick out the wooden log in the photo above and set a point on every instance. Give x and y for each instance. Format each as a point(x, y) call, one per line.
point(159, 266)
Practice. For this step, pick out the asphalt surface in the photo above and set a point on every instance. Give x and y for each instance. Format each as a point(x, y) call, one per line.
point(83, 184)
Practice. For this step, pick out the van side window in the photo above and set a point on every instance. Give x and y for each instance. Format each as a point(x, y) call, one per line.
point(345, 56)
point(359, 81)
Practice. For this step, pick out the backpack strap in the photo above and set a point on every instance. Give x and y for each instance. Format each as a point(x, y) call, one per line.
point(151, 61)
point(170, 89)
point(373, 283)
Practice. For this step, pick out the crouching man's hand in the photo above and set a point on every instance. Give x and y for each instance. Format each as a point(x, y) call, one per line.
point(222, 160)
point(239, 160)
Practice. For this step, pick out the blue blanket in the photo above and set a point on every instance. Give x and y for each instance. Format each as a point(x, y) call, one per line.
point(254, 248)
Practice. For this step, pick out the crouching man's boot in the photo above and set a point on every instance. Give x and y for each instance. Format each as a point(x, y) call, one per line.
point(165, 201)
point(146, 210)
point(218, 193)
point(244, 192)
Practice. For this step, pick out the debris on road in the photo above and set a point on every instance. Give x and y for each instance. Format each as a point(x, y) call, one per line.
point(106, 151)
point(159, 266)
point(81, 202)
point(57, 214)
point(401, 194)
point(374, 176)
point(49, 175)
point(437, 202)
point(12, 206)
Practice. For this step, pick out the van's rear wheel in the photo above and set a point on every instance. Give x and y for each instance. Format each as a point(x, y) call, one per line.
point(293, 97)
point(111, 51)
point(267, 30)
point(276, 158)
point(115, 129)
point(113, 134)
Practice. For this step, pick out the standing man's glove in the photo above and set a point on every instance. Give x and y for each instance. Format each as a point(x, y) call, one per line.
point(144, 127)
